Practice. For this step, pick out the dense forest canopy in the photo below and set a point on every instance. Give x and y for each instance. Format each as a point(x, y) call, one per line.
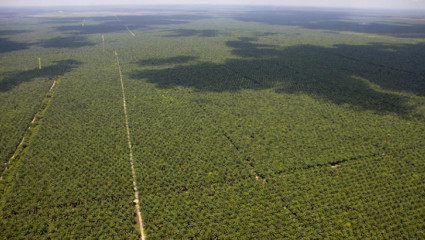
point(212, 123)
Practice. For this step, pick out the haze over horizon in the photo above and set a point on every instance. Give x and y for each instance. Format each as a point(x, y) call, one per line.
point(384, 4)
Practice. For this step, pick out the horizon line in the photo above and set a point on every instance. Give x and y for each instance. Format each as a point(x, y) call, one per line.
point(214, 5)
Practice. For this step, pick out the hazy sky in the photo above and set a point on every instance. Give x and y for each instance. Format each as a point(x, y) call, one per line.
point(414, 4)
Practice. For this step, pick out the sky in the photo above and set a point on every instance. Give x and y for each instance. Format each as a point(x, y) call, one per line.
point(396, 4)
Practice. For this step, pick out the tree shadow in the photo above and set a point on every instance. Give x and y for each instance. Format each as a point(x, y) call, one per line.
point(66, 42)
point(161, 19)
point(117, 24)
point(192, 32)
point(266, 34)
point(9, 46)
point(333, 21)
point(392, 67)
point(13, 32)
point(62, 20)
point(163, 61)
point(59, 68)
point(105, 27)
point(329, 74)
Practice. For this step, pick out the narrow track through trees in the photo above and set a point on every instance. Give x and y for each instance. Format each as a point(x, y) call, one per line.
point(136, 192)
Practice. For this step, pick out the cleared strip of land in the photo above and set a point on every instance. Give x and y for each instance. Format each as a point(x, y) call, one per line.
point(136, 192)
point(29, 132)
point(6, 178)
point(131, 32)
point(126, 27)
